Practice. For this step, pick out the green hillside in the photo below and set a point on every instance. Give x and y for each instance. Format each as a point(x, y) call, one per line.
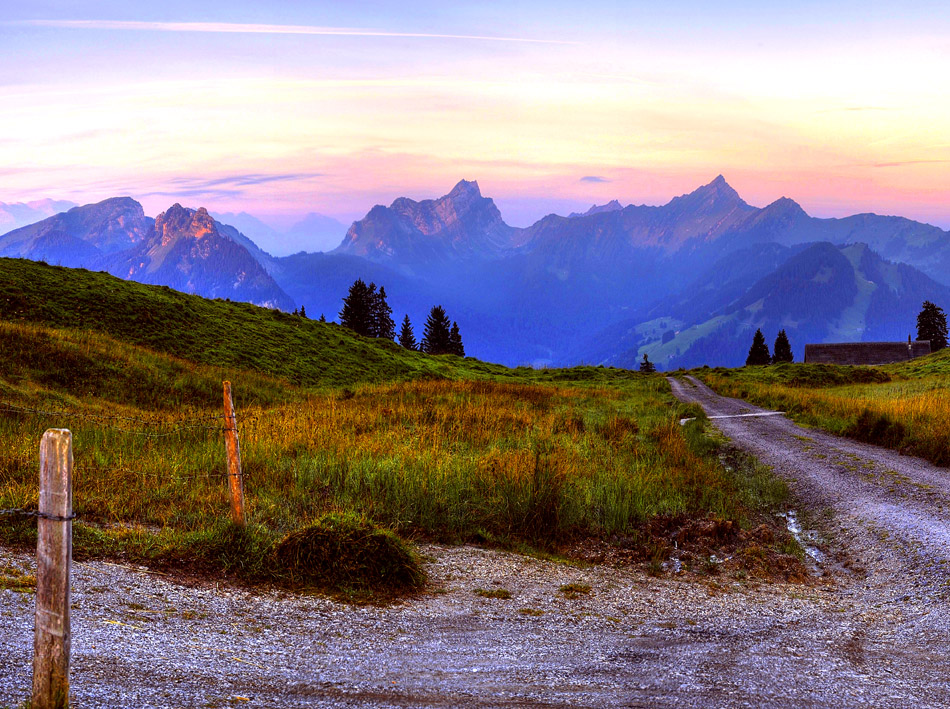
point(212, 332)
point(331, 424)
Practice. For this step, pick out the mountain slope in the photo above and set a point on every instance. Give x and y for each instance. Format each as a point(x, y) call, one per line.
point(923, 246)
point(459, 225)
point(315, 232)
point(185, 250)
point(210, 332)
point(604, 234)
point(82, 235)
point(823, 293)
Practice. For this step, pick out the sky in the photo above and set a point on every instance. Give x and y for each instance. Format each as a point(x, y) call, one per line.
point(284, 108)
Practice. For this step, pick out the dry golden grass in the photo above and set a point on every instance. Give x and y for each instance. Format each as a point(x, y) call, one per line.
point(910, 412)
point(445, 459)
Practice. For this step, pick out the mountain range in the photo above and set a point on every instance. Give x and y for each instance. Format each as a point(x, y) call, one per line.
point(686, 283)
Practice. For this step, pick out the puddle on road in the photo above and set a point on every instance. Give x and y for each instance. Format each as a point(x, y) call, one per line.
point(806, 538)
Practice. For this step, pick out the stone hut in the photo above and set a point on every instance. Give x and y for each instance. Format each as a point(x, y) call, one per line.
point(867, 353)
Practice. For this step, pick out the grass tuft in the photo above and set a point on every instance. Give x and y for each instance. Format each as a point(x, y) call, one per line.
point(574, 590)
point(347, 551)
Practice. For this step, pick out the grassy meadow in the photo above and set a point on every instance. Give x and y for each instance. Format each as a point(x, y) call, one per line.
point(439, 448)
point(904, 406)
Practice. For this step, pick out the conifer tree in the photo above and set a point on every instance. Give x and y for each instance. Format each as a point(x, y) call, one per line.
point(383, 324)
point(357, 312)
point(759, 352)
point(303, 312)
point(323, 317)
point(455, 341)
point(782, 351)
point(406, 337)
point(435, 338)
point(932, 325)
point(646, 366)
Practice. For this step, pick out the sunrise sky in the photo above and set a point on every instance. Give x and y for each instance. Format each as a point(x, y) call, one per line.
point(283, 108)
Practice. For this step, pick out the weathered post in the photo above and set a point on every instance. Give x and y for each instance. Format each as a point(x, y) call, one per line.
point(235, 479)
point(54, 552)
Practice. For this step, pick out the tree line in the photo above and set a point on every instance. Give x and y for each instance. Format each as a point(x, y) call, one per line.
point(366, 312)
point(759, 352)
point(931, 325)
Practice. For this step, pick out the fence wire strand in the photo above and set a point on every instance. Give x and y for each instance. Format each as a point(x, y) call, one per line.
point(141, 428)
point(176, 427)
point(17, 512)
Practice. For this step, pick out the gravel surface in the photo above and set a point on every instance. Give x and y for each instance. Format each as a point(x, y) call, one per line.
point(872, 631)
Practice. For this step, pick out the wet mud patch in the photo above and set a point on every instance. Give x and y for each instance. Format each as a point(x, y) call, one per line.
point(685, 546)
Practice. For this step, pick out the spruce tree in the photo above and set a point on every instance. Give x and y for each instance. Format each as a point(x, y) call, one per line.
point(406, 337)
point(372, 307)
point(323, 317)
point(435, 338)
point(932, 325)
point(383, 324)
point(759, 352)
point(646, 366)
point(303, 312)
point(782, 351)
point(357, 312)
point(455, 341)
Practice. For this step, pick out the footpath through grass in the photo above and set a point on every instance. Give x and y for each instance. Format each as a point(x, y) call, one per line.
point(903, 406)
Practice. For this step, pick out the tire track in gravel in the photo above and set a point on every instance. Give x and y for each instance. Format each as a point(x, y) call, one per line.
point(894, 509)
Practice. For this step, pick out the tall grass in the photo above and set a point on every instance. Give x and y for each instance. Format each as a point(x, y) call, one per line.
point(905, 406)
point(443, 459)
point(454, 450)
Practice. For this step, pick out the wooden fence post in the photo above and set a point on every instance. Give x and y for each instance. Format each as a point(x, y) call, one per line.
point(54, 552)
point(235, 478)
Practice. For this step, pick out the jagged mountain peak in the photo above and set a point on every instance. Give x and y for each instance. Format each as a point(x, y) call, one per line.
point(181, 221)
point(465, 188)
point(461, 223)
point(718, 192)
point(611, 206)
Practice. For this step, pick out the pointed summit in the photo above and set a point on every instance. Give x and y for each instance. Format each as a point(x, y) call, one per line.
point(720, 189)
point(460, 224)
point(717, 196)
point(465, 188)
point(611, 206)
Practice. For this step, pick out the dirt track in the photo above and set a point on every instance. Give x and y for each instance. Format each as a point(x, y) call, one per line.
point(871, 490)
point(878, 638)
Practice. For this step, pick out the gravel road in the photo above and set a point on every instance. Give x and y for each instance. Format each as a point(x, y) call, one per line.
point(872, 631)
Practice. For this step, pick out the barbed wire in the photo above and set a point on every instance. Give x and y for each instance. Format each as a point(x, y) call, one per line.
point(6, 405)
point(35, 513)
point(176, 426)
point(156, 474)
